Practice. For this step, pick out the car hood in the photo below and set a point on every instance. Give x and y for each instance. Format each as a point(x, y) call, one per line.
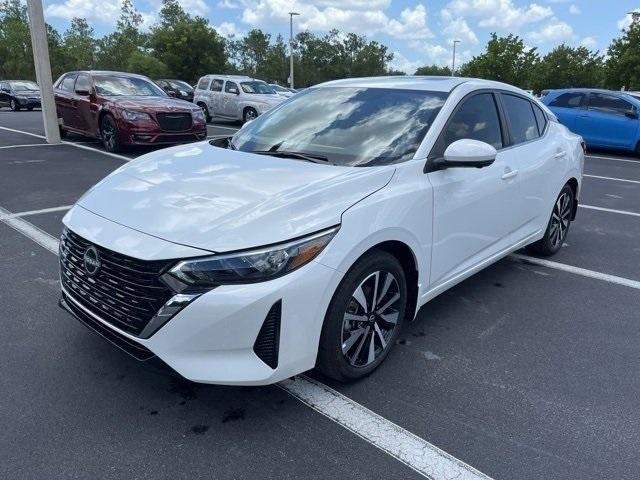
point(159, 104)
point(223, 200)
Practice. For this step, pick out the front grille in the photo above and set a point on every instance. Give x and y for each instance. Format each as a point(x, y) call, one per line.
point(174, 122)
point(267, 344)
point(125, 291)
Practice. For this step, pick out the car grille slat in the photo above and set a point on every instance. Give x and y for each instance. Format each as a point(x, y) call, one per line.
point(174, 121)
point(125, 291)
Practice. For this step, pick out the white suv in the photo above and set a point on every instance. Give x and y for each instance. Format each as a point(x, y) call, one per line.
point(234, 97)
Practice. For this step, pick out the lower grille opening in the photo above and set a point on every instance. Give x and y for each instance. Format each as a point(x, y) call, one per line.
point(267, 343)
point(136, 350)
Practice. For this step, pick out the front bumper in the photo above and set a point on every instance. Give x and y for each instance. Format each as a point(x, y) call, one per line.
point(148, 133)
point(29, 102)
point(213, 340)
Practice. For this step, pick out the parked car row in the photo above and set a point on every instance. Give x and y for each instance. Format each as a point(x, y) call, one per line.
point(19, 94)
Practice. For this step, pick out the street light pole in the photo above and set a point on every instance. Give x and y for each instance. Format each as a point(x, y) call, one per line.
point(453, 63)
point(43, 70)
point(291, 15)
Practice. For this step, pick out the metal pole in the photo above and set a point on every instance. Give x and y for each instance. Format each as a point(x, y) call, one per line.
point(453, 63)
point(291, 14)
point(43, 70)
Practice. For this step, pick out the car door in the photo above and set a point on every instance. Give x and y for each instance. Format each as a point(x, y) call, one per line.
point(64, 96)
point(610, 120)
point(229, 99)
point(215, 96)
point(473, 207)
point(535, 157)
point(567, 107)
point(4, 94)
point(86, 109)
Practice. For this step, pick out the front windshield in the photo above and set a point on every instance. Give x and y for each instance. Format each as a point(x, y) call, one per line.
point(113, 86)
point(278, 88)
point(180, 85)
point(256, 87)
point(24, 86)
point(346, 125)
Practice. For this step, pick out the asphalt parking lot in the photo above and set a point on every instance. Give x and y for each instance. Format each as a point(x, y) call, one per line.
point(527, 370)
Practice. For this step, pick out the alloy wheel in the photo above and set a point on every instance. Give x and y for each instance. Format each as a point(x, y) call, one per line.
point(109, 134)
point(250, 115)
point(370, 319)
point(560, 219)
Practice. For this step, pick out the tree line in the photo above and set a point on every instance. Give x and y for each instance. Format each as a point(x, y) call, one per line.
point(184, 46)
point(180, 45)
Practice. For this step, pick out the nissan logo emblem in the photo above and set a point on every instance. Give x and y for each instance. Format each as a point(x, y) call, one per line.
point(91, 261)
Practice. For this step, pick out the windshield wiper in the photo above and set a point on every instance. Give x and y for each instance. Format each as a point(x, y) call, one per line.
point(291, 154)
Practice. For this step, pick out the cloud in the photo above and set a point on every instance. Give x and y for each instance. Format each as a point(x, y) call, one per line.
point(228, 30)
point(625, 22)
point(574, 10)
point(228, 4)
point(589, 42)
point(500, 14)
point(102, 11)
point(457, 28)
point(555, 31)
point(403, 64)
point(411, 25)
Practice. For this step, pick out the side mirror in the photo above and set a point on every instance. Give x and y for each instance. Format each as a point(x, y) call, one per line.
point(171, 93)
point(632, 114)
point(467, 153)
point(84, 93)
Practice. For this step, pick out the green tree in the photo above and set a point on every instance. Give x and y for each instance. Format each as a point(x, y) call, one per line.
point(79, 44)
point(435, 70)
point(146, 64)
point(566, 66)
point(187, 45)
point(116, 50)
point(623, 64)
point(506, 59)
point(16, 60)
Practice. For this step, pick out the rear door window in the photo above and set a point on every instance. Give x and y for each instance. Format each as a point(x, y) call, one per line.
point(568, 100)
point(521, 119)
point(541, 118)
point(231, 86)
point(216, 85)
point(68, 83)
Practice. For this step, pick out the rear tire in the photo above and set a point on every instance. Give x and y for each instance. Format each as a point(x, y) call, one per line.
point(30, 109)
point(14, 105)
point(109, 134)
point(63, 132)
point(364, 318)
point(558, 226)
point(638, 150)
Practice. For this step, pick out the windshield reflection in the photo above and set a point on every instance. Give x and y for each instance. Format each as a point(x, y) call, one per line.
point(347, 125)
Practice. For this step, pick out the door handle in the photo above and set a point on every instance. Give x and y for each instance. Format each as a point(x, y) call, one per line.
point(509, 173)
point(560, 154)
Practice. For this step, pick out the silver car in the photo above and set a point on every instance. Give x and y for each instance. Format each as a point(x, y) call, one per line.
point(234, 97)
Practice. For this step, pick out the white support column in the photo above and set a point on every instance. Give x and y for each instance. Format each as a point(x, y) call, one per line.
point(43, 69)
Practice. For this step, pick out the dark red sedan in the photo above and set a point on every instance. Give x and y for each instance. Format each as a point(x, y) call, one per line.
point(124, 109)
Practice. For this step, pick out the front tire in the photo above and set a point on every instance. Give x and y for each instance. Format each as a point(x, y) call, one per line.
point(14, 105)
point(249, 114)
point(558, 226)
point(205, 109)
point(109, 134)
point(364, 318)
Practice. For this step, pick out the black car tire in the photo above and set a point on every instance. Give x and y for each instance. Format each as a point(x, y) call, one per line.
point(638, 149)
point(205, 109)
point(109, 134)
point(331, 361)
point(14, 105)
point(249, 113)
point(63, 132)
point(561, 216)
point(30, 109)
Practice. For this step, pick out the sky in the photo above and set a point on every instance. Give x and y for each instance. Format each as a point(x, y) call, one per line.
point(417, 32)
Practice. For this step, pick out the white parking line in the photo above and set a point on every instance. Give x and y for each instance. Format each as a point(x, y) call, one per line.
point(605, 277)
point(611, 178)
point(392, 439)
point(401, 444)
point(4, 216)
point(64, 142)
point(610, 210)
point(31, 145)
point(613, 158)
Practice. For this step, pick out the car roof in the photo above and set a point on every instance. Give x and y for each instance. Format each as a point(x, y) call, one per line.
point(582, 90)
point(230, 77)
point(416, 82)
point(108, 72)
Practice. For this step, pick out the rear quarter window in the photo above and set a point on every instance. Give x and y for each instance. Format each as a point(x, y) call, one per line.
point(203, 83)
point(523, 125)
point(568, 100)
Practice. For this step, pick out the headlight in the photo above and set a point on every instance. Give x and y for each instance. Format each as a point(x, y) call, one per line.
point(198, 115)
point(132, 116)
point(249, 266)
point(21, 98)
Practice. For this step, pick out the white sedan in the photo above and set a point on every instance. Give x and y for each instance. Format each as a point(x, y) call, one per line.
point(309, 237)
